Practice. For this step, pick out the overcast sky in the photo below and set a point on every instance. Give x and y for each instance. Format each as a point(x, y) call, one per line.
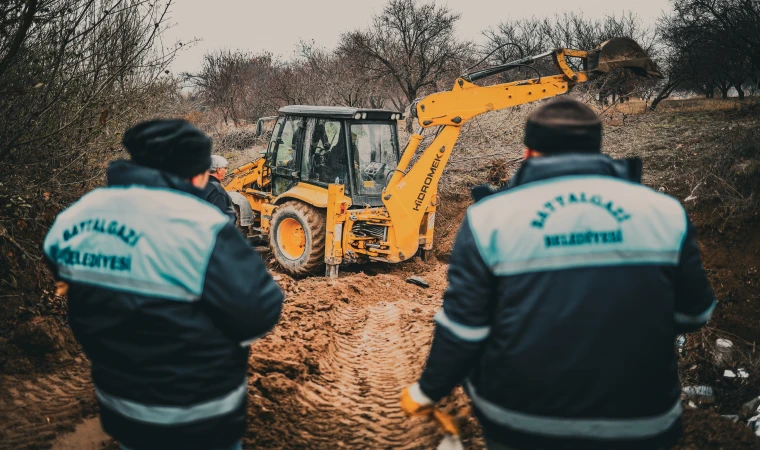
point(278, 25)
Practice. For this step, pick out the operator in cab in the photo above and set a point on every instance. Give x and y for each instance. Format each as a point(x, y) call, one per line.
point(214, 192)
point(566, 294)
point(164, 295)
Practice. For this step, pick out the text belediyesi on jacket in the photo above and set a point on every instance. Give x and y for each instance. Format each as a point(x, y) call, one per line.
point(164, 296)
point(552, 347)
point(566, 293)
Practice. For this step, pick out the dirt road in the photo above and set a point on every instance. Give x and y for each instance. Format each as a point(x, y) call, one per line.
point(328, 377)
point(361, 339)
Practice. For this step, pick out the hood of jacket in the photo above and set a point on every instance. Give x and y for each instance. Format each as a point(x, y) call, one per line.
point(543, 168)
point(128, 173)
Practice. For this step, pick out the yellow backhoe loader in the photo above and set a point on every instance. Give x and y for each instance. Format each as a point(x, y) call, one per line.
point(333, 186)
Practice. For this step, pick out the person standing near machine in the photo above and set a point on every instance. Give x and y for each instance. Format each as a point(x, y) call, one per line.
point(214, 192)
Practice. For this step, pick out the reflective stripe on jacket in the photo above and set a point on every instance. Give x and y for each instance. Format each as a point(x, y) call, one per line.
point(165, 295)
point(566, 292)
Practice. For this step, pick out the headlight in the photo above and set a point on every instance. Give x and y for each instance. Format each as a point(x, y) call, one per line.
point(357, 116)
point(394, 116)
point(364, 115)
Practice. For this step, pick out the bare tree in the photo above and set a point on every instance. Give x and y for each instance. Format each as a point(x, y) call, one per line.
point(79, 64)
point(411, 43)
point(711, 44)
point(530, 36)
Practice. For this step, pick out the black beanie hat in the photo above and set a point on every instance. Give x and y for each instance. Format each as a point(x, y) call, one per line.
point(173, 146)
point(564, 125)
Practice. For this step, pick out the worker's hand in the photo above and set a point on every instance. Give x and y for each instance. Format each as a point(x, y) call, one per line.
point(414, 402)
point(446, 422)
point(61, 288)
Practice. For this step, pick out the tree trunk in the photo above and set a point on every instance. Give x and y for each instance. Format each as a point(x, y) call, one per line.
point(739, 91)
point(665, 93)
point(410, 123)
point(410, 97)
point(724, 92)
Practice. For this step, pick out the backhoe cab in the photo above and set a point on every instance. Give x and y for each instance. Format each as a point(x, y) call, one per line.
point(322, 164)
point(333, 186)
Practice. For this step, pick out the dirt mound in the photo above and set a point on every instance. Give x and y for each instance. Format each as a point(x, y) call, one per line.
point(34, 411)
point(706, 430)
point(331, 374)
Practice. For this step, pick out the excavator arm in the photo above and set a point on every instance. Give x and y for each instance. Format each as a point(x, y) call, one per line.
point(411, 190)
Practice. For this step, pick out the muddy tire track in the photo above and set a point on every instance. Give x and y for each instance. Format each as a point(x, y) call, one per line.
point(34, 411)
point(372, 357)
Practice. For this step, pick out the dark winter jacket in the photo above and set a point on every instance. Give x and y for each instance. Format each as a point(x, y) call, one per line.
point(164, 295)
point(217, 196)
point(566, 294)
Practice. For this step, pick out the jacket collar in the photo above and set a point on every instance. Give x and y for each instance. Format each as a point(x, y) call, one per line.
point(127, 173)
point(536, 169)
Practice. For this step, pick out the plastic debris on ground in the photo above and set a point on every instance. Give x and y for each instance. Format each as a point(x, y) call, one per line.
point(417, 280)
point(731, 374)
point(754, 424)
point(701, 394)
point(723, 351)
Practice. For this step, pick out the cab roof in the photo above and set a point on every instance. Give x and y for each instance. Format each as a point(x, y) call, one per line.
point(336, 112)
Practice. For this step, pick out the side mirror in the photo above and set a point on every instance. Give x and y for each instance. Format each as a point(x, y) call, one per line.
point(259, 128)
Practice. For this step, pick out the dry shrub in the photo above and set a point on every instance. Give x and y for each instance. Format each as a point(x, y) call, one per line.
point(730, 180)
point(707, 104)
point(636, 107)
point(236, 138)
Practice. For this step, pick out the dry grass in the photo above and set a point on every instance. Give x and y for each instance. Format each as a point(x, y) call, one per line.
point(636, 106)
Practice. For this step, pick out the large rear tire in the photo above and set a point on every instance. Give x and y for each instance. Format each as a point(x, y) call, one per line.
point(297, 237)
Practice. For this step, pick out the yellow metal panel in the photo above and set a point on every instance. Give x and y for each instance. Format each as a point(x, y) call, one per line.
point(266, 216)
point(406, 158)
point(468, 100)
point(427, 228)
point(408, 200)
point(335, 223)
point(307, 193)
point(251, 174)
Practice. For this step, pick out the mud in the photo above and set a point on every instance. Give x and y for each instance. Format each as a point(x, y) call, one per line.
point(364, 337)
point(36, 411)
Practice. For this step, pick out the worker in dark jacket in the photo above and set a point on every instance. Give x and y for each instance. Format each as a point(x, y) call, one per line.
point(164, 295)
point(566, 293)
point(214, 192)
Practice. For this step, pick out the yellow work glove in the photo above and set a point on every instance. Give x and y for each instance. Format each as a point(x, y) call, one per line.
point(414, 402)
point(446, 422)
point(61, 288)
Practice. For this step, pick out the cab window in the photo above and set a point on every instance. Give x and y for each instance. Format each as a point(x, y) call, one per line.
point(374, 155)
point(290, 142)
point(324, 158)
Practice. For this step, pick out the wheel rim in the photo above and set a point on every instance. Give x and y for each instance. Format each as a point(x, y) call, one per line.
point(291, 238)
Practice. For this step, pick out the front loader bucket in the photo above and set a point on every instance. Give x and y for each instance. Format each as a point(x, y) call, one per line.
point(624, 53)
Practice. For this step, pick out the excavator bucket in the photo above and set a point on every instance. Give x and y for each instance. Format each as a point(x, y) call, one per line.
point(624, 53)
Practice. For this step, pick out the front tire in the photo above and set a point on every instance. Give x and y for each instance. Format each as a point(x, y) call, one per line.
point(297, 237)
